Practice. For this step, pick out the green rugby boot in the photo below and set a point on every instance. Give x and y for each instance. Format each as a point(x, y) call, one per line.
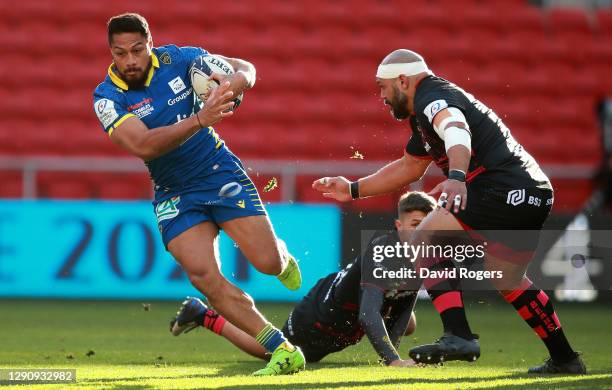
point(290, 277)
point(286, 359)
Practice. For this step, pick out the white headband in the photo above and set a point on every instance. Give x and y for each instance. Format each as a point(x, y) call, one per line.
point(391, 71)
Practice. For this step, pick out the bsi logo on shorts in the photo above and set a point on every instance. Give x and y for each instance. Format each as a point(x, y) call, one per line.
point(516, 197)
point(167, 209)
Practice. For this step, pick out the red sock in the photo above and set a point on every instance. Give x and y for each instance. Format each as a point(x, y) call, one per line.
point(214, 321)
point(534, 306)
point(446, 296)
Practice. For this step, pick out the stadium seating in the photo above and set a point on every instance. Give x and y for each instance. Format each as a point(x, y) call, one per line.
point(315, 96)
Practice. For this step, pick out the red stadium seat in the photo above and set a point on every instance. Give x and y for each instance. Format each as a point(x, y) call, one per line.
point(189, 12)
point(571, 194)
point(604, 22)
point(559, 50)
point(280, 12)
point(510, 18)
point(604, 81)
point(560, 20)
point(478, 42)
point(330, 13)
point(508, 3)
point(516, 113)
point(315, 95)
point(533, 45)
point(481, 17)
point(61, 186)
point(368, 14)
point(599, 53)
point(428, 15)
point(12, 186)
point(133, 187)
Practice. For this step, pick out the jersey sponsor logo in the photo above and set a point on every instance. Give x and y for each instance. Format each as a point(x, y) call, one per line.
point(433, 108)
point(534, 200)
point(165, 58)
point(184, 95)
point(516, 197)
point(141, 103)
point(167, 209)
point(142, 108)
point(230, 190)
point(177, 84)
point(105, 110)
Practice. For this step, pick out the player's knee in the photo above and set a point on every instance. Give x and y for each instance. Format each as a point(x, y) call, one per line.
point(207, 282)
point(273, 267)
point(247, 299)
point(270, 263)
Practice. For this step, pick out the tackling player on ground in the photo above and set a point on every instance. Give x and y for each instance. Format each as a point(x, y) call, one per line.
point(147, 106)
point(340, 308)
point(493, 184)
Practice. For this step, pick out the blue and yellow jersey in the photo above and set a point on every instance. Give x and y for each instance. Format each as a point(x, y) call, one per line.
point(167, 98)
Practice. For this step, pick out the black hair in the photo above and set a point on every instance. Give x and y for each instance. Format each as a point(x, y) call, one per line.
point(415, 201)
point(128, 23)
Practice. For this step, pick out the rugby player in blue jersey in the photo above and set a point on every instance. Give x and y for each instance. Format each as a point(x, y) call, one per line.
point(146, 105)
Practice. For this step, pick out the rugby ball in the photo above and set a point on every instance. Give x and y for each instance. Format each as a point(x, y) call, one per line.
point(199, 73)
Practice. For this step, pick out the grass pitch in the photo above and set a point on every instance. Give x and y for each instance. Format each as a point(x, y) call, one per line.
point(130, 348)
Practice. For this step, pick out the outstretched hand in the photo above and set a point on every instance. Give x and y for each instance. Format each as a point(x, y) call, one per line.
point(337, 188)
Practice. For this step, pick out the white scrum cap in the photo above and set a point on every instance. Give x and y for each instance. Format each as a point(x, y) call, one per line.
point(409, 68)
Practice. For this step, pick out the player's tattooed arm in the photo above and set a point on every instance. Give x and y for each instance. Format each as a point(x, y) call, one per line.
point(148, 144)
point(373, 324)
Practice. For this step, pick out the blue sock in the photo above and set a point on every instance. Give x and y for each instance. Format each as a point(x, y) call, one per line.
point(270, 338)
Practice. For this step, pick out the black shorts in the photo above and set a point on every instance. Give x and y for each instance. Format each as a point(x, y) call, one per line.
point(316, 339)
point(509, 220)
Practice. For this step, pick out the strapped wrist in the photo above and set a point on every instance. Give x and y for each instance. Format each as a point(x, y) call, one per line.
point(456, 174)
point(354, 189)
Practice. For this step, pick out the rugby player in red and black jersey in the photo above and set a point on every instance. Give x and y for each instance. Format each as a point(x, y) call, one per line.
point(341, 307)
point(492, 184)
